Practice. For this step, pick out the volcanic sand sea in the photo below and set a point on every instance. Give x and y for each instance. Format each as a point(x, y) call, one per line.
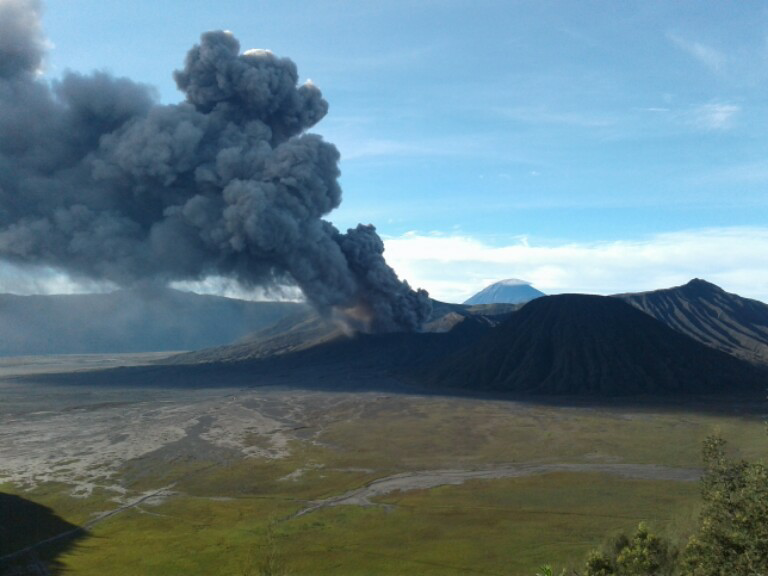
point(290, 438)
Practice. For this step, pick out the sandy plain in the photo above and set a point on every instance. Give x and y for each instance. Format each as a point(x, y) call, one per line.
point(312, 442)
point(83, 435)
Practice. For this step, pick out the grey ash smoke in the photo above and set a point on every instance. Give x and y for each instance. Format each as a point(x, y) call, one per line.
point(99, 180)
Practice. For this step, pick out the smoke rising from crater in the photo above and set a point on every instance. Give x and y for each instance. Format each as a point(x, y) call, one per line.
point(99, 180)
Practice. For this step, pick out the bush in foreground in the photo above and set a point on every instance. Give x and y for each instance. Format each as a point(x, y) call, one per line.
point(731, 539)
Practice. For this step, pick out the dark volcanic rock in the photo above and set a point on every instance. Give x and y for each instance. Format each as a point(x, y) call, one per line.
point(709, 314)
point(297, 332)
point(558, 345)
point(312, 341)
point(576, 344)
point(306, 330)
point(398, 353)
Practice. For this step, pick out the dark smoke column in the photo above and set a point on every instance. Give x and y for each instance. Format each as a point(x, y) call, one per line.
point(98, 180)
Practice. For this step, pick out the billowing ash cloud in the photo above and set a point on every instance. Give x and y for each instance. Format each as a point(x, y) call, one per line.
point(99, 180)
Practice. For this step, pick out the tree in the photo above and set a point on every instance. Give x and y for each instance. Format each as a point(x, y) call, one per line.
point(733, 526)
point(645, 554)
point(732, 536)
point(599, 564)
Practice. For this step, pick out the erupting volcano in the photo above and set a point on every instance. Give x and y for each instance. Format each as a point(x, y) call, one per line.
point(99, 180)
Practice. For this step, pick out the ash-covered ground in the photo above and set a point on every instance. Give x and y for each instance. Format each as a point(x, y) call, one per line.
point(107, 436)
point(82, 435)
point(177, 459)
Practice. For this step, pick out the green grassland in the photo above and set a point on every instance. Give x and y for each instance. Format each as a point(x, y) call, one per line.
point(482, 527)
point(234, 518)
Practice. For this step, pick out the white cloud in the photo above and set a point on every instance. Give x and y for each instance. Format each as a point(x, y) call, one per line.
point(356, 145)
point(383, 148)
point(45, 280)
point(710, 57)
point(26, 280)
point(453, 267)
point(714, 117)
point(221, 286)
point(540, 115)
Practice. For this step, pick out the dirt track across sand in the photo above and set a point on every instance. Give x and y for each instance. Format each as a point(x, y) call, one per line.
point(433, 478)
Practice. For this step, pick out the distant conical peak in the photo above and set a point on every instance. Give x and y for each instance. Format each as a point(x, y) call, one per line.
point(509, 291)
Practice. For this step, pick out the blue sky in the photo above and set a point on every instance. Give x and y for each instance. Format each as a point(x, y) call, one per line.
point(583, 146)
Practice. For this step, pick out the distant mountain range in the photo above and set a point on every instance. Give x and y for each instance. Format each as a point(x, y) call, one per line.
point(690, 339)
point(150, 319)
point(511, 291)
point(567, 344)
point(162, 319)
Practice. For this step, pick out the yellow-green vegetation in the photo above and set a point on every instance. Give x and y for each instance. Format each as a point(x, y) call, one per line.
point(440, 432)
point(503, 526)
point(730, 536)
point(481, 527)
point(238, 517)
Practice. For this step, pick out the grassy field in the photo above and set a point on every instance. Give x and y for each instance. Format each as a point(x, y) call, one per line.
point(482, 527)
point(238, 517)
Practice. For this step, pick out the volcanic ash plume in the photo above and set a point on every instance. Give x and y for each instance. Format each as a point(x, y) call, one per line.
point(99, 180)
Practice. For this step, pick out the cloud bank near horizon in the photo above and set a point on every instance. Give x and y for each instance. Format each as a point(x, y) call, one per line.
point(454, 266)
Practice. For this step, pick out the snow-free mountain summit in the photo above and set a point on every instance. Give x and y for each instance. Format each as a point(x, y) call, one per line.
point(510, 291)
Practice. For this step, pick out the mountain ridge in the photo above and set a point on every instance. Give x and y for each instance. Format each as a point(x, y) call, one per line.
point(554, 345)
point(704, 311)
point(583, 344)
